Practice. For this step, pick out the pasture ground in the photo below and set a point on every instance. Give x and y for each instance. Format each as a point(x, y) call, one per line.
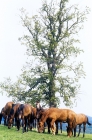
point(13, 134)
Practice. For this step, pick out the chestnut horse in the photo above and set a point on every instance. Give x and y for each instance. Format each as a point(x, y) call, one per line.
point(58, 115)
point(81, 119)
point(14, 114)
point(6, 110)
point(40, 111)
point(26, 112)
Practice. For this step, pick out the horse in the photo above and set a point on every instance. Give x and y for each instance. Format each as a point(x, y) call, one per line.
point(6, 110)
point(40, 111)
point(58, 115)
point(81, 119)
point(26, 113)
point(14, 114)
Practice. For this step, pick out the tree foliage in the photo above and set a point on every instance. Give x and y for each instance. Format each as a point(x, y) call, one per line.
point(52, 48)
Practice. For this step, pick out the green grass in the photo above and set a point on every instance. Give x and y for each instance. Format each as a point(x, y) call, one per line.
point(13, 134)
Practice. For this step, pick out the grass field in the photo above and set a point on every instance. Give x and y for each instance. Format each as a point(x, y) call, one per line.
point(13, 134)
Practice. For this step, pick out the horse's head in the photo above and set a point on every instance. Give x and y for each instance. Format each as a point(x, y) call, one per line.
point(10, 121)
point(39, 114)
point(40, 127)
point(10, 118)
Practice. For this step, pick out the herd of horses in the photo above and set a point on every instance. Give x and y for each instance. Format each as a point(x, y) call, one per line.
point(27, 117)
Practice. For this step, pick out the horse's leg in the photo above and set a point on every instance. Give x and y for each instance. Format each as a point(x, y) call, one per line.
point(61, 126)
point(37, 123)
point(26, 124)
point(69, 129)
point(18, 124)
point(44, 127)
point(52, 124)
point(34, 123)
point(48, 127)
point(5, 121)
point(31, 122)
point(23, 125)
point(75, 131)
point(13, 122)
point(37, 120)
point(56, 127)
point(79, 130)
point(84, 128)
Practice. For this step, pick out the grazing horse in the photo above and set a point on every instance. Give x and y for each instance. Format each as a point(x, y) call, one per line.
point(39, 114)
point(81, 119)
point(6, 110)
point(26, 113)
point(14, 114)
point(59, 115)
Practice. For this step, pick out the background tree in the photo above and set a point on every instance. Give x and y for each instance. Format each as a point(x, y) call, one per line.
point(52, 46)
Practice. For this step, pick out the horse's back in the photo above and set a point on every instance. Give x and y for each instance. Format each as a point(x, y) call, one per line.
point(61, 114)
point(27, 109)
point(9, 104)
point(81, 118)
point(8, 107)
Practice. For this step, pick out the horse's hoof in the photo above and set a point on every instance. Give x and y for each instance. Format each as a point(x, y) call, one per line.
point(69, 136)
point(53, 133)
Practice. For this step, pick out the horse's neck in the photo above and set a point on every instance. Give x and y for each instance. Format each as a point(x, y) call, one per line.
point(44, 117)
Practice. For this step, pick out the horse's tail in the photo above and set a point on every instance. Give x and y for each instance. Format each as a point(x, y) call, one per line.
point(88, 122)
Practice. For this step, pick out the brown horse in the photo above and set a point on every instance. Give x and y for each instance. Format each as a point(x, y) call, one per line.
point(59, 115)
point(81, 119)
point(40, 111)
point(6, 110)
point(14, 114)
point(27, 114)
point(39, 115)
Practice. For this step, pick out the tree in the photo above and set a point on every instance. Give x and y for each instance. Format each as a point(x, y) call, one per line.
point(52, 44)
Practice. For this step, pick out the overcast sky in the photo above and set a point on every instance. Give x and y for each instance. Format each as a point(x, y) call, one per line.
point(12, 54)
